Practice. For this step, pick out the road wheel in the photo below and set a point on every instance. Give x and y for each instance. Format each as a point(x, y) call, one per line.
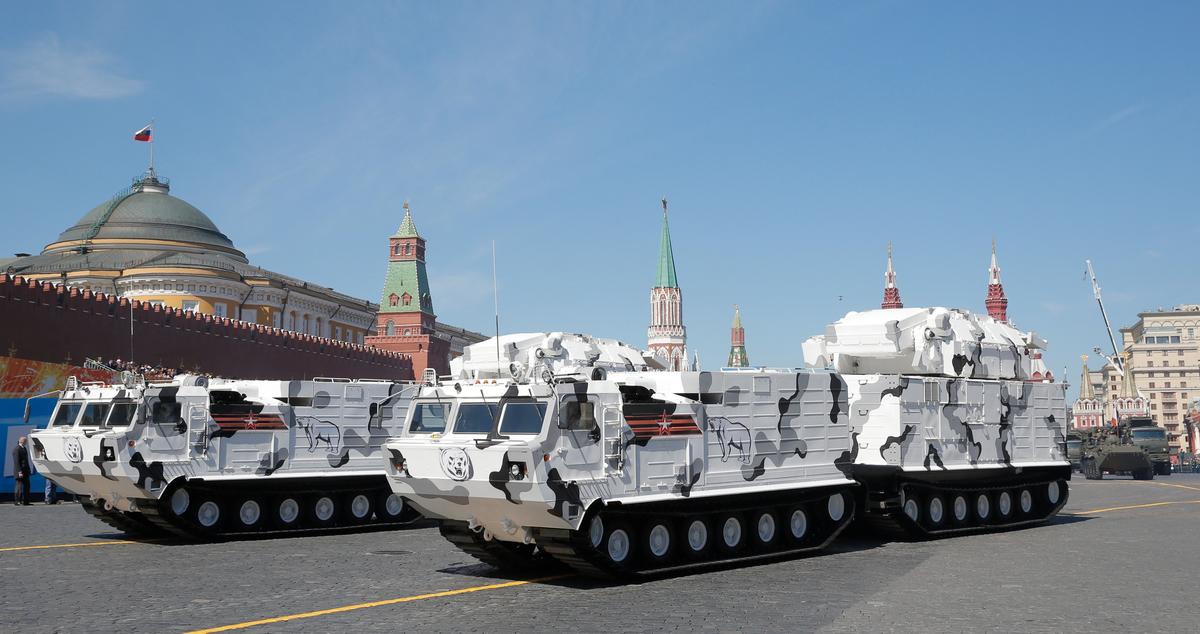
point(208, 515)
point(389, 507)
point(659, 541)
point(961, 510)
point(1004, 505)
point(983, 507)
point(797, 520)
point(698, 537)
point(286, 512)
point(322, 510)
point(836, 507)
point(180, 502)
point(766, 530)
point(1144, 474)
point(935, 511)
point(619, 544)
point(250, 514)
point(911, 507)
point(357, 508)
point(1026, 499)
point(1053, 492)
point(732, 533)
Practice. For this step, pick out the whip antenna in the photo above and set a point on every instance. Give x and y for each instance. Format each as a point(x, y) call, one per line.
point(496, 299)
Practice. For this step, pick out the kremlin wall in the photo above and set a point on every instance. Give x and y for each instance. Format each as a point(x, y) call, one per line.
point(57, 324)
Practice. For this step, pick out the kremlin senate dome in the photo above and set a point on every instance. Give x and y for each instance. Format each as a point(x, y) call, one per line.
point(145, 244)
point(146, 212)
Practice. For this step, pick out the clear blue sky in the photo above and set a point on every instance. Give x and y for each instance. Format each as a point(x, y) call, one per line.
point(794, 140)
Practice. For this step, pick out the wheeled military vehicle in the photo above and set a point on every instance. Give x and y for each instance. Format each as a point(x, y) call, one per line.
point(1153, 440)
point(569, 446)
point(1112, 450)
point(198, 457)
point(950, 432)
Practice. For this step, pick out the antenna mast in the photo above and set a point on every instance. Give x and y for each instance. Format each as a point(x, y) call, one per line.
point(496, 298)
point(1103, 313)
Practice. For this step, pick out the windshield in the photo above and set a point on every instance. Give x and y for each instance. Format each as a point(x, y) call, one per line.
point(1074, 444)
point(94, 415)
point(66, 414)
point(1149, 433)
point(122, 415)
point(428, 418)
point(522, 418)
point(474, 418)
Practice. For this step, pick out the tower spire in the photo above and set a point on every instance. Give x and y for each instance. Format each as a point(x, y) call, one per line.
point(891, 294)
point(997, 302)
point(737, 342)
point(667, 335)
point(1086, 391)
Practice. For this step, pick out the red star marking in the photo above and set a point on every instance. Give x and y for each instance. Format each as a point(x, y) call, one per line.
point(664, 424)
point(251, 422)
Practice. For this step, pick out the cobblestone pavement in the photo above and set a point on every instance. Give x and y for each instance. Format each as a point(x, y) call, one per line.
point(1122, 569)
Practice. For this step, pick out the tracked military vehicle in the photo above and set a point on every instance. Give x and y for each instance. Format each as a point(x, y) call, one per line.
point(1112, 450)
point(572, 447)
point(199, 458)
point(949, 434)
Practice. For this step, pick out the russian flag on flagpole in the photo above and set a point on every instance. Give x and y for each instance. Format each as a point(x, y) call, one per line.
point(144, 134)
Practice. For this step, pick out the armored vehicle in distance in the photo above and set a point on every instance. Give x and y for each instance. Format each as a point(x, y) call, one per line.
point(1112, 450)
point(199, 458)
point(1153, 440)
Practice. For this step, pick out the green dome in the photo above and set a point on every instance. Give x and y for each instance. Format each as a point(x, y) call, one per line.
point(149, 213)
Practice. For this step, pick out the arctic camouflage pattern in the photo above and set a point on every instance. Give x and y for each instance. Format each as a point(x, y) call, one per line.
point(918, 392)
point(629, 438)
point(949, 391)
point(219, 430)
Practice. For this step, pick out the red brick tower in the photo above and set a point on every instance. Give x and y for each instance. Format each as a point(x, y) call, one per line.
point(891, 294)
point(406, 322)
point(997, 303)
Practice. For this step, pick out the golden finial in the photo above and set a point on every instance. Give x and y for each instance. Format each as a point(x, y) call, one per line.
point(405, 205)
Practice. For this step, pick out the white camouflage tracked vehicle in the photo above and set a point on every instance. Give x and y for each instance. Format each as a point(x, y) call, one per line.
point(570, 446)
point(950, 434)
point(199, 458)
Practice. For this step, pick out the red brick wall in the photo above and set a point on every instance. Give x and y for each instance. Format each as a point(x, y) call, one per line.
point(53, 323)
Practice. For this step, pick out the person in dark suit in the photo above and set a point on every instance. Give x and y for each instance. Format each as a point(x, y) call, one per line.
point(22, 471)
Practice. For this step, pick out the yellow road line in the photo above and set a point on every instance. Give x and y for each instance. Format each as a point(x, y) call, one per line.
point(1178, 486)
point(82, 545)
point(1134, 506)
point(373, 604)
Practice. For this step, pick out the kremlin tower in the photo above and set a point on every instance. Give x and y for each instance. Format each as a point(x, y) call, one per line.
point(406, 322)
point(997, 303)
point(668, 337)
point(737, 343)
point(891, 294)
point(1129, 402)
point(1088, 411)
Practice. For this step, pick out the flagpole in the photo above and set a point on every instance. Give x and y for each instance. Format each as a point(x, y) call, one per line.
point(152, 132)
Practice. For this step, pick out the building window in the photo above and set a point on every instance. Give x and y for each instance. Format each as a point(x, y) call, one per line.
point(389, 328)
point(396, 249)
point(407, 299)
point(393, 299)
point(219, 309)
point(407, 331)
point(337, 332)
point(191, 305)
point(250, 315)
point(275, 319)
point(1149, 364)
point(1152, 385)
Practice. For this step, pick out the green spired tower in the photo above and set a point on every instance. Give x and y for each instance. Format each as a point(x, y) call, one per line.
point(667, 335)
point(737, 340)
point(406, 322)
